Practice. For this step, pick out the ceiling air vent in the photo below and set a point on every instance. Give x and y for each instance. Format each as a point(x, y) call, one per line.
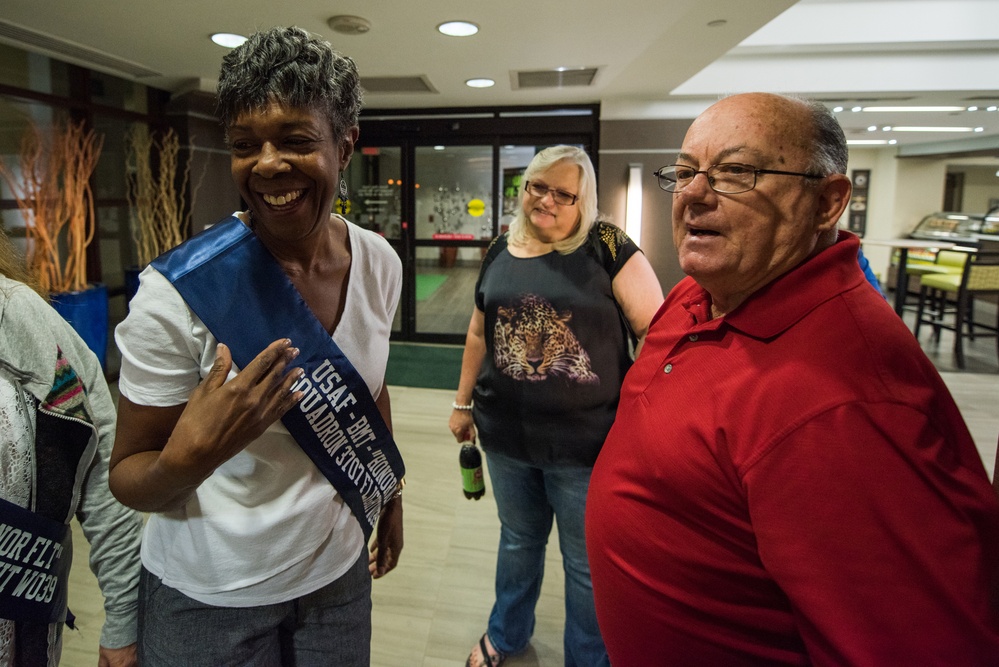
point(70, 51)
point(396, 84)
point(554, 78)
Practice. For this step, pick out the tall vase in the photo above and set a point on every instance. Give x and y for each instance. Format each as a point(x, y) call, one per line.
point(87, 313)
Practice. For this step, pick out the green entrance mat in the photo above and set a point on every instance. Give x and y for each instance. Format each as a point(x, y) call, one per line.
point(421, 365)
point(427, 284)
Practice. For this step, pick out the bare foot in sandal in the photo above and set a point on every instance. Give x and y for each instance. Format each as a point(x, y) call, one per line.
point(484, 654)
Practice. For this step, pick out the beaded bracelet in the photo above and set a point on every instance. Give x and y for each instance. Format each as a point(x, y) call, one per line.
point(461, 407)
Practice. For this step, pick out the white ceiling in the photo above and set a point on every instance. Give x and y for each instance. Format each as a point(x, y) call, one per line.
point(654, 59)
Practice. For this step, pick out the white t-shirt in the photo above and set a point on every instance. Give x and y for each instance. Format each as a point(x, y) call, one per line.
point(266, 526)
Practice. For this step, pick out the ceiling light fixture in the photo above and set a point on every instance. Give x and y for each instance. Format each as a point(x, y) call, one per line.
point(458, 28)
point(228, 39)
point(837, 109)
point(934, 129)
point(480, 83)
point(912, 109)
point(349, 25)
point(866, 142)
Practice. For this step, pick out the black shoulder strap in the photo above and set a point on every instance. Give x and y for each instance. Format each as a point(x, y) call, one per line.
point(493, 250)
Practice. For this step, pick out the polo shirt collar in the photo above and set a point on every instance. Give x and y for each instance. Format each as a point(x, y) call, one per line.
point(782, 302)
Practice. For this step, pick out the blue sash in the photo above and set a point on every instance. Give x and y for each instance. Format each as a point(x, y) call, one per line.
point(237, 288)
point(35, 555)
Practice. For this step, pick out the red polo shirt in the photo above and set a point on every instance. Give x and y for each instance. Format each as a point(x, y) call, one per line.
point(792, 484)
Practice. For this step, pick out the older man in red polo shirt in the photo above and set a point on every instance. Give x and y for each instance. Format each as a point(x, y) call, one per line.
point(788, 480)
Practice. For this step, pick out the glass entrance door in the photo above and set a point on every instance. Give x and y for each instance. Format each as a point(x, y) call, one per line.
point(454, 223)
point(439, 206)
point(375, 201)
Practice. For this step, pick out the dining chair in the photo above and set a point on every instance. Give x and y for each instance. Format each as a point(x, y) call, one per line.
point(946, 301)
point(948, 262)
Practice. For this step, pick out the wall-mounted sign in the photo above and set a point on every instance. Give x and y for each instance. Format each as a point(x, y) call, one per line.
point(476, 207)
point(857, 221)
point(452, 236)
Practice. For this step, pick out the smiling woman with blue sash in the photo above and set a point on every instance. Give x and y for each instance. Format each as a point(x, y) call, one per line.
point(254, 421)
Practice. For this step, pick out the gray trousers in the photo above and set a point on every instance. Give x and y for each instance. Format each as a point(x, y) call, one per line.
point(331, 626)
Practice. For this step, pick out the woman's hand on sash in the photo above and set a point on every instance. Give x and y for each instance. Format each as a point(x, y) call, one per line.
point(222, 418)
point(161, 455)
point(387, 545)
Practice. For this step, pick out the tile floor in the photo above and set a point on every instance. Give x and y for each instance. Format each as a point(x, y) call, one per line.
point(432, 609)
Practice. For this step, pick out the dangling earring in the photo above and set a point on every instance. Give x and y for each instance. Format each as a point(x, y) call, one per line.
point(342, 205)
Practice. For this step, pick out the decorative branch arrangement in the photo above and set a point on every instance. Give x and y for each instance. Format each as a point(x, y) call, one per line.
point(156, 202)
point(448, 207)
point(55, 200)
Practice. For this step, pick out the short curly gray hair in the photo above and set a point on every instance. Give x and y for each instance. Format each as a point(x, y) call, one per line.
point(290, 66)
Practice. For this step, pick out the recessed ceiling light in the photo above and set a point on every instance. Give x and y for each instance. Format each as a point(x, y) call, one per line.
point(837, 109)
point(972, 108)
point(458, 28)
point(228, 39)
point(871, 128)
point(349, 25)
point(480, 83)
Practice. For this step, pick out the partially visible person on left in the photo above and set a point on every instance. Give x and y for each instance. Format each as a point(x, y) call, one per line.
point(57, 423)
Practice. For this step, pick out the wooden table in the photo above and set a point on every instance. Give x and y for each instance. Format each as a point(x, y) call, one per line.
point(902, 276)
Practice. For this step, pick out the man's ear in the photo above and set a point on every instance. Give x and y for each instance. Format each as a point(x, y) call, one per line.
point(834, 197)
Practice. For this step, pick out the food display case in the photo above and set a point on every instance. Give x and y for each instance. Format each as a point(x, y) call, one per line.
point(969, 231)
point(963, 228)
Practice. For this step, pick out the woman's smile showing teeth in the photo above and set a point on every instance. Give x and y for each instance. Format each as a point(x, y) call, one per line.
point(281, 200)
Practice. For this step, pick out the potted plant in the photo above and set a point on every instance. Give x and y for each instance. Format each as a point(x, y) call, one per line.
point(52, 189)
point(156, 202)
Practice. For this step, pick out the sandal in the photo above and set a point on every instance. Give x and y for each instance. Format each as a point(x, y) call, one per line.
point(485, 659)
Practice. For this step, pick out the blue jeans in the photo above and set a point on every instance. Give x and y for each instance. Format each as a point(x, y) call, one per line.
point(330, 626)
point(528, 497)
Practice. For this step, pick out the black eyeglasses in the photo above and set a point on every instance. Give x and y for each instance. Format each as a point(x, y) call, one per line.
point(728, 178)
point(561, 197)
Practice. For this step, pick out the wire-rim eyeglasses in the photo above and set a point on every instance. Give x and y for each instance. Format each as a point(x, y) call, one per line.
point(730, 178)
point(560, 197)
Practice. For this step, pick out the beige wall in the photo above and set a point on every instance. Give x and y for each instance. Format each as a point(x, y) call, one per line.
point(902, 191)
point(980, 186)
point(212, 193)
point(652, 144)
